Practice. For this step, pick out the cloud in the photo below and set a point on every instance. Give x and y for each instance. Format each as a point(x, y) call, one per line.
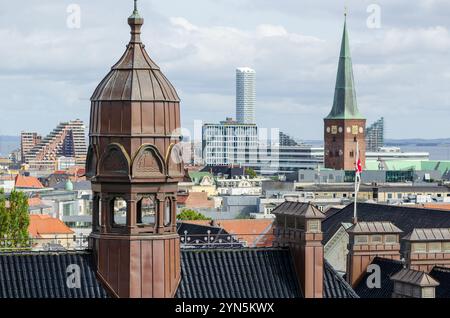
point(48, 71)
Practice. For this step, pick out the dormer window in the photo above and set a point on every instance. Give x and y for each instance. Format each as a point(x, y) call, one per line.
point(314, 226)
point(434, 247)
point(361, 239)
point(376, 239)
point(419, 247)
point(391, 239)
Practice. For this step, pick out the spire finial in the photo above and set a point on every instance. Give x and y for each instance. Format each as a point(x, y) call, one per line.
point(345, 12)
point(135, 6)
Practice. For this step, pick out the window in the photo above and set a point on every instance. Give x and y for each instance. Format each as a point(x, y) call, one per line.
point(314, 226)
point(377, 239)
point(119, 207)
point(434, 247)
point(361, 239)
point(428, 292)
point(389, 195)
point(167, 212)
point(146, 211)
point(419, 248)
point(352, 154)
point(391, 239)
point(446, 247)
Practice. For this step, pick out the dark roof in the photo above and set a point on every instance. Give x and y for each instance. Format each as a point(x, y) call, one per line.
point(298, 209)
point(334, 286)
point(405, 218)
point(387, 269)
point(206, 273)
point(442, 275)
point(238, 273)
point(43, 275)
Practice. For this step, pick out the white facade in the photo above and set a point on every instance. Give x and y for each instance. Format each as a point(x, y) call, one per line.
point(245, 95)
point(230, 143)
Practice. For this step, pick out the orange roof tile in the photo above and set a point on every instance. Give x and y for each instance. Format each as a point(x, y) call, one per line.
point(42, 224)
point(435, 206)
point(256, 232)
point(28, 182)
point(34, 201)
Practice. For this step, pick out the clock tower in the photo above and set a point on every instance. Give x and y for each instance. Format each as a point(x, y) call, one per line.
point(344, 127)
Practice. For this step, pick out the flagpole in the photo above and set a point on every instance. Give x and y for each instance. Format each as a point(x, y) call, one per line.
point(355, 211)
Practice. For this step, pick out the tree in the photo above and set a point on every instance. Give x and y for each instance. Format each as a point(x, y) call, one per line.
point(251, 173)
point(14, 219)
point(191, 215)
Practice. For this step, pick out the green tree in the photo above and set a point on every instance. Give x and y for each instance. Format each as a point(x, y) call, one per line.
point(191, 215)
point(14, 219)
point(251, 173)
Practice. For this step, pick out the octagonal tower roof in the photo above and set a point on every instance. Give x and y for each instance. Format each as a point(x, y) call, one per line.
point(135, 77)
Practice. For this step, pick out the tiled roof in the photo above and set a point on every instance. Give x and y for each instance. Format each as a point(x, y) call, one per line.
point(442, 275)
point(413, 277)
point(334, 286)
point(374, 227)
point(35, 275)
point(208, 273)
point(299, 209)
point(429, 235)
point(41, 224)
point(405, 218)
point(239, 273)
point(28, 182)
point(387, 269)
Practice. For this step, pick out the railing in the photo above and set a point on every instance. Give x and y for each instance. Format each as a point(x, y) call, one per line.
point(208, 240)
point(55, 243)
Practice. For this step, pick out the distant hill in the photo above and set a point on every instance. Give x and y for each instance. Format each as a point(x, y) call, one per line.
point(417, 141)
point(8, 144)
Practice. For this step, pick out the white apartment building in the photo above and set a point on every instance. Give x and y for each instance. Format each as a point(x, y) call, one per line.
point(230, 142)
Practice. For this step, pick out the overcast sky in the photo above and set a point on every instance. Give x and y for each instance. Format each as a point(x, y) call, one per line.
point(48, 71)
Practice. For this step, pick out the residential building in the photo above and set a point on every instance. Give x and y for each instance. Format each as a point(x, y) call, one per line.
point(28, 140)
point(344, 127)
point(66, 140)
point(375, 136)
point(245, 95)
point(48, 233)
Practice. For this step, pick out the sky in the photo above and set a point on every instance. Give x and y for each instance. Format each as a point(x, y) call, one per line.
point(50, 64)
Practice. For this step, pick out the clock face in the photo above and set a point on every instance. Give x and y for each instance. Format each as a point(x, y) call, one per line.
point(341, 130)
point(328, 129)
point(334, 130)
point(355, 129)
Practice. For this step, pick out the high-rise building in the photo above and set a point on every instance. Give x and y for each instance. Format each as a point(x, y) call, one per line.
point(68, 139)
point(28, 140)
point(344, 127)
point(375, 136)
point(230, 142)
point(245, 95)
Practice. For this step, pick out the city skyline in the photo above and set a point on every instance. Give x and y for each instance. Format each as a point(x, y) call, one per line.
point(406, 55)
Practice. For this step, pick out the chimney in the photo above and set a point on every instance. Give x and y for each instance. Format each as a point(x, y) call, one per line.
point(427, 248)
point(298, 227)
point(368, 240)
point(410, 283)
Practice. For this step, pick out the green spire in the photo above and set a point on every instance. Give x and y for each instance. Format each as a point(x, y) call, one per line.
point(135, 14)
point(345, 105)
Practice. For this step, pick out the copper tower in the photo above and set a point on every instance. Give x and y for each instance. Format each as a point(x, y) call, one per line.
point(134, 163)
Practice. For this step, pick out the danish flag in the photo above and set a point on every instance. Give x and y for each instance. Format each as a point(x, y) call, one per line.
point(358, 167)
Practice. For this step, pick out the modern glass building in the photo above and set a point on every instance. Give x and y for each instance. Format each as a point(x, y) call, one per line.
point(245, 95)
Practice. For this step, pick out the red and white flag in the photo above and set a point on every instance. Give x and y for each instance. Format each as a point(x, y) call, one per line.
point(358, 170)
